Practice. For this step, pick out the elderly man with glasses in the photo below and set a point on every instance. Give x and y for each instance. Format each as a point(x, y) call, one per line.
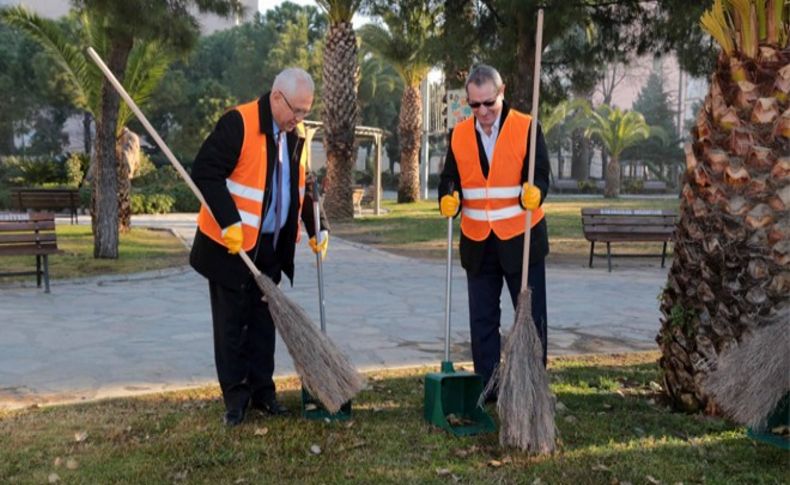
point(252, 172)
point(485, 181)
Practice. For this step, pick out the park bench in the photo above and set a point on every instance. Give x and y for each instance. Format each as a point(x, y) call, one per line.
point(628, 225)
point(36, 199)
point(33, 234)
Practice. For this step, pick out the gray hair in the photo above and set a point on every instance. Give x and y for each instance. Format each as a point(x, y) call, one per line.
point(483, 73)
point(290, 79)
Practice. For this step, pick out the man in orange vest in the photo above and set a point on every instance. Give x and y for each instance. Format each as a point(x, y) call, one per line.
point(252, 172)
point(487, 167)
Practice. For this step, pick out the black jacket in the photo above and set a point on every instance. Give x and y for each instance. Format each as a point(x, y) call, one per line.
point(214, 163)
point(511, 250)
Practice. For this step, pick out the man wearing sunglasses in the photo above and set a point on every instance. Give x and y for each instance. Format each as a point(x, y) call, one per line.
point(252, 172)
point(485, 181)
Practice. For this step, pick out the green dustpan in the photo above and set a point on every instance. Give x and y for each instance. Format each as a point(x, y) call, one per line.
point(451, 398)
point(312, 407)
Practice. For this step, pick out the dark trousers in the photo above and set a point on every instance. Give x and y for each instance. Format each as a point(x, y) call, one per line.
point(244, 339)
point(485, 312)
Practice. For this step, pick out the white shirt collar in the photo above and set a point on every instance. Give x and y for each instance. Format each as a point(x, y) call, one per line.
point(494, 127)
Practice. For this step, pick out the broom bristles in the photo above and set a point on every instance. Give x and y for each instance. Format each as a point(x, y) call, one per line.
point(751, 379)
point(525, 404)
point(325, 371)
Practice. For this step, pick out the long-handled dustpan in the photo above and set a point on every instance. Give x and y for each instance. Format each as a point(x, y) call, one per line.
point(450, 396)
point(312, 407)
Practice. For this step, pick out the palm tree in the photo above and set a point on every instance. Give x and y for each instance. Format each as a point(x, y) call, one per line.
point(556, 121)
point(617, 130)
point(406, 44)
point(732, 249)
point(146, 66)
point(340, 79)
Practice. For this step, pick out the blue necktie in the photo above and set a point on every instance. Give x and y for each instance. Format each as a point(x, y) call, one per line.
point(279, 192)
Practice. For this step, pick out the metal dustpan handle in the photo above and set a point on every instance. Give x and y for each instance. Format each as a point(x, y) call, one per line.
point(318, 261)
point(447, 365)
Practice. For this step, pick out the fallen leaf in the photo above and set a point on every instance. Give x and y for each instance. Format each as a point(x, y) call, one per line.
point(507, 459)
point(571, 419)
point(442, 472)
point(495, 463)
point(261, 431)
point(652, 480)
point(58, 461)
point(599, 467)
point(639, 431)
point(310, 407)
point(349, 424)
point(241, 480)
point(607, 406)
point(72, 464)
point(655, 386)
point(461, 453)
point(781, 430)
point(180, 476)
point(619, 393)
point(537, 481)
point(81, 436)
point(53, 478)
point(315, 449)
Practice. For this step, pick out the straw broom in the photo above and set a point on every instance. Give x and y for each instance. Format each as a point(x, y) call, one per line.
point(325, 371)
point(525, 404)
point(751, 378)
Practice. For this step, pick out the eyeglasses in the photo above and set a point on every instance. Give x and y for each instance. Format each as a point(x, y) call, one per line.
point(476, 104)
point(299, 113)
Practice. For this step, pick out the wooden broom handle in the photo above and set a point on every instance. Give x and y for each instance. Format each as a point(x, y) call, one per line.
point(151, 131)
point(533, 135)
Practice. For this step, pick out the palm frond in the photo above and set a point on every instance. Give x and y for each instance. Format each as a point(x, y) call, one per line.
point(745, 17)
point(147, 65)
point(339, 10)
point(58, 47)
point(715, 23)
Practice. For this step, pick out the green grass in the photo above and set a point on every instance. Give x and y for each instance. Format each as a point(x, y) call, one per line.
point(417, 229)
point(139, 250)
point(614, 430)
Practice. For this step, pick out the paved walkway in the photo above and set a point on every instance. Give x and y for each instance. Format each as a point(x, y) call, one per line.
point(124, 335)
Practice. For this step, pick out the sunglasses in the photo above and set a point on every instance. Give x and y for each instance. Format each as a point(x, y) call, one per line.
point(477, 104)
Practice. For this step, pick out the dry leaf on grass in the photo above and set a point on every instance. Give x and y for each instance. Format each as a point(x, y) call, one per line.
point(310, 407)
point(58, 461)
point(652, 480)
point(261, 431)
point(571, 419)
point(80, 436)
point(315, 449)
point(53, 478)
point(442, 472)
point(600, 467)
point(72, 464)
point(495, 463)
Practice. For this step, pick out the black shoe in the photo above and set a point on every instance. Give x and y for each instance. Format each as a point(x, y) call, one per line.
point(270, 406)
point(234, 417)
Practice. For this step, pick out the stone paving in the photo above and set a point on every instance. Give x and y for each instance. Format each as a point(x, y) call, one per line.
point(124, 335)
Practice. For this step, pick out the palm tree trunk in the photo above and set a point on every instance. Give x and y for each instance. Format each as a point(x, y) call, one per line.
point(410, 134)
point(341, 76)
point(612, 189)
point(105, 223)
point(86, 132)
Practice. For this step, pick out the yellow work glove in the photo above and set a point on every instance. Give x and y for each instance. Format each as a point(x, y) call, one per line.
point(233, 238)
point(530, 196)
point(322, 246)
point(448, 206)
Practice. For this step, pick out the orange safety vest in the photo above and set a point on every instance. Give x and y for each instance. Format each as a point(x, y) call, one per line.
point(247, 182)
point(493, 203)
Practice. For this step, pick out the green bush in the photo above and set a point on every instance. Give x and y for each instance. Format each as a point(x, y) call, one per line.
point(5, 197)
point(633, 186)
point(587, 186)
point(30, 171)
point(185, 200)
point(152, 203)
point(75, 167)
point(146, 166)
point(389, 181)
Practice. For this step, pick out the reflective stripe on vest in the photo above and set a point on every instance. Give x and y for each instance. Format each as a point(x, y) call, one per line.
point(247, 183)
point(492, 204)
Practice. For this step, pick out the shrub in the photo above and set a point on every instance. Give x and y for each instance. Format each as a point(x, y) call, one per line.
point(152, 203)
point(75, 167)
point(389, 181)
point(587, 186)
point(185, 200)
point(145, 167)
point(633, 186)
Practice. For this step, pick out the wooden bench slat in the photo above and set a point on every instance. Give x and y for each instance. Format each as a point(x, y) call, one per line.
point(27, 238)
point(628, 220)
point(630, 229)
point(628, 238)
point(7, 226)
point(25, 250)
